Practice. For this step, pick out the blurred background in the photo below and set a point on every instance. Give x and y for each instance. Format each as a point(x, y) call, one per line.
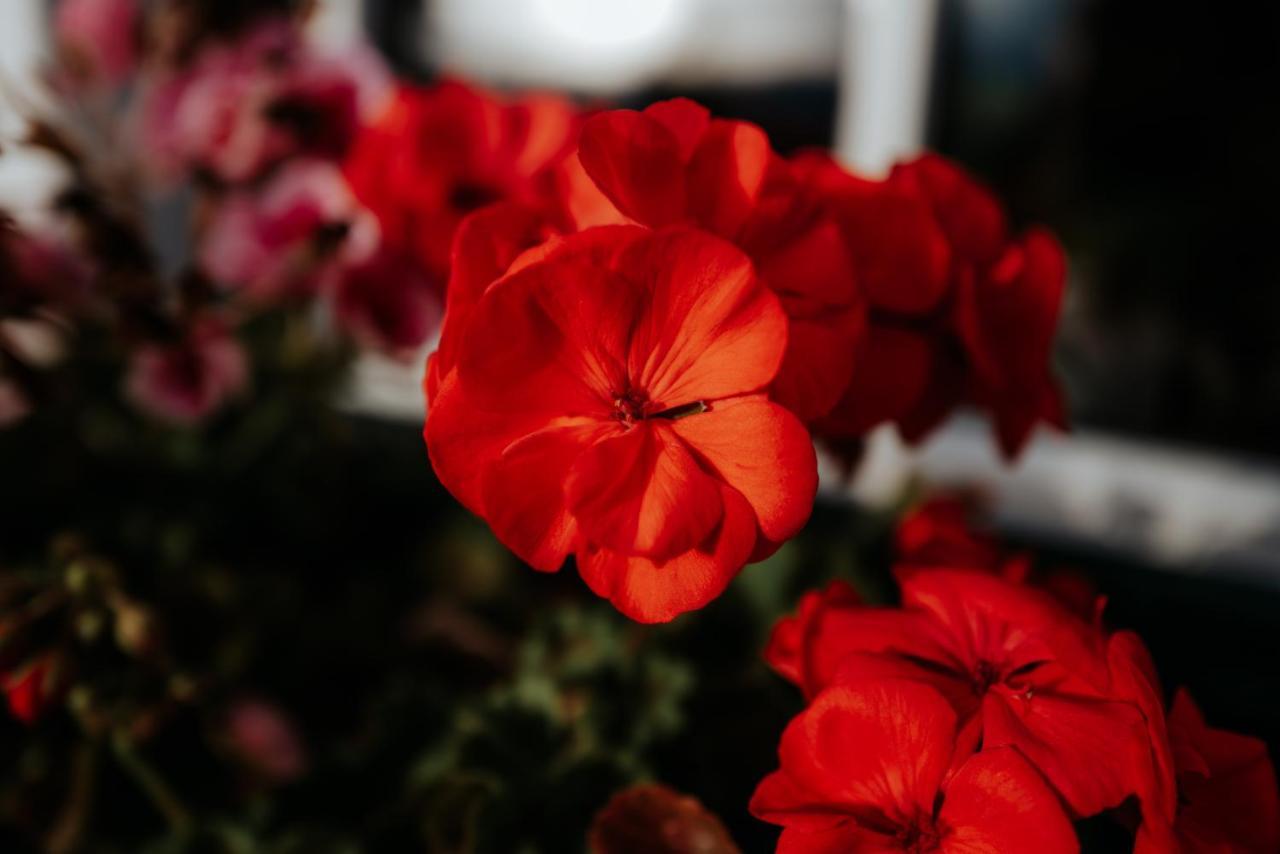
point(1145, 139)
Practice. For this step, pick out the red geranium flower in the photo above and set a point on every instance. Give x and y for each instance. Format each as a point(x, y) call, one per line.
point(614, 409)
point(435, 155)
point(959, 312)
point(673, 163)
point(1018, 668)
point(1205, 790)
point(871, 767)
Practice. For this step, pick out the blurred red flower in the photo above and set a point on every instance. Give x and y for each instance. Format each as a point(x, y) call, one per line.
point(649, 818)
point(185, 381)
point(938, 533)
point(673, 163)
point(872, 766)
point(32, 687)
point(1205, 790)
point(614, 408)
point(434, 155)
point(1018, 669)
point(959, 311)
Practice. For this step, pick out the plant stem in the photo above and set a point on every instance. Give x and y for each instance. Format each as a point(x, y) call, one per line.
point(152, 784)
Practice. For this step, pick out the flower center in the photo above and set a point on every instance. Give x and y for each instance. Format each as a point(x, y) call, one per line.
point(472, 195)
point(920, 837)
point(984, 675)
point(634, 405)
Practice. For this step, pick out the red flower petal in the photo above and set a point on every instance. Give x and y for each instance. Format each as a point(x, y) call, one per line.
point(790, 638)
point(1089, 749)
point(636, 162)
point(466, 432)
point(710, 329)
point(972, 217)
point(818, 364)
point(726, 175)
point(655, 592)
point(1235, 806)
point(687, 120)
point(556, 336)
point(879, 746)
point(641, 492)
point(524, 492)
point(891, 374)
point(485, 245)
point(763, 452)
point(997, 802)
point(841, 839)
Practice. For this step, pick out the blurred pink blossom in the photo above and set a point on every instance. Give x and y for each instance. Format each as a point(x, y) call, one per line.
point(388, 303)
point(239, 108)
point(98, 38)
point(274, 242)
point(264, 739)
point(185, 382)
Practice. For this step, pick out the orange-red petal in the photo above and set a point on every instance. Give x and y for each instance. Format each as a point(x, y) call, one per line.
point(763, 452)
point(657, 591)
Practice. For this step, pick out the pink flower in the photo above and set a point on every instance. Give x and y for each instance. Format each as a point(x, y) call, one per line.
point(264, 739)
point(98, 39)
point(186, 381)
point(286, 238)
point(240, 108)
point(14, 405)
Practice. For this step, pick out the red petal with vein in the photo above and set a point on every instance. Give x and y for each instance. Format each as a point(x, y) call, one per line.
point(876, 747)
point(726, 175)
point(524, 491)
point(656, 592)
point(466, 433)
point(710, 330)
point(556, 336)
point(641, 492)
point(636, 162)
point(485, 245)
point(997, 802)
point(1089, 749)
point(763, 452)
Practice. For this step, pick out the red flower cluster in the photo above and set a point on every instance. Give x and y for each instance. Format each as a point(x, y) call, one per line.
point(434, 155)
point(982, 714)
point(960, 311)
point(674, 164)
point(705, 207)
